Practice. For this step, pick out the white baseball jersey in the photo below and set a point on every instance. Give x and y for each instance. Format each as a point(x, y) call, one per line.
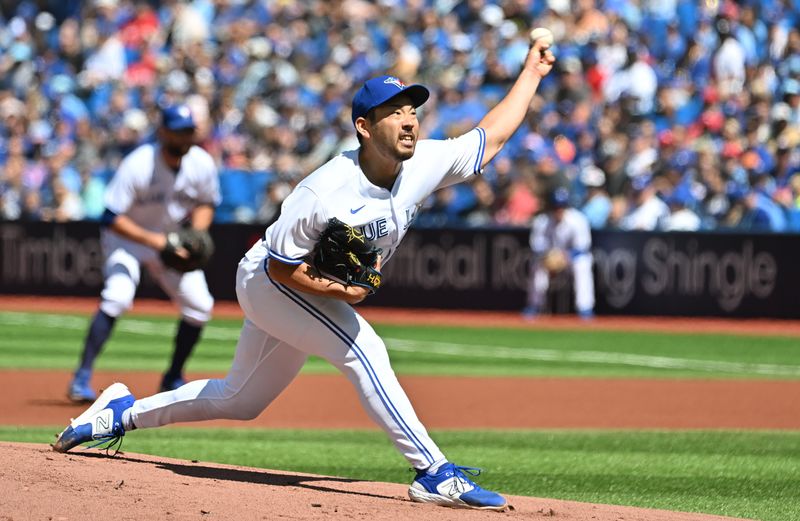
point(147, 191)
point(284, 326)
point(571, 234)
point(340, 189)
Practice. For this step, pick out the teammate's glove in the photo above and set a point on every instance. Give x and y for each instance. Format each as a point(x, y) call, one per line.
point(344, 255)
point(555, 260)
point(197, 243)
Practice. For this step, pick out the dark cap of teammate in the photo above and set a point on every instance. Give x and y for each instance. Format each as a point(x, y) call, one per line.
point(558, 198)
point(177, 117)
point(381, 89)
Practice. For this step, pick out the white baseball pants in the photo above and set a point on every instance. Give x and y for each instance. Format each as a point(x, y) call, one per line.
point(122, 270)
point(281, 329)
point(583, 282)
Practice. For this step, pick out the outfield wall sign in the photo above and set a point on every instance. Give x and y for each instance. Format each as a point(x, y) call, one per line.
point(636, 273)
point(691, 274)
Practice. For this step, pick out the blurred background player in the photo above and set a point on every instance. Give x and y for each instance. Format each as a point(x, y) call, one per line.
point(158, 188)
point(560, 240)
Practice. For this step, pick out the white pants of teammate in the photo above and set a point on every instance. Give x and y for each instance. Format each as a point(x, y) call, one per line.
point(583, 282)
point(282, 328)
point(122, 270)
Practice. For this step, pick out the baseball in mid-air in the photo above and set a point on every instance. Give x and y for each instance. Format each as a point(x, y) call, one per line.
point(541, 33)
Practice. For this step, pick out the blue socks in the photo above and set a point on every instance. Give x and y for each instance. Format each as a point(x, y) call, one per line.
point(101, 327)
point(99, 331)
point(185, 340)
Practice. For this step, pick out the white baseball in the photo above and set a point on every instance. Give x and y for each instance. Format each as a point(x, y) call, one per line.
point(541, 33)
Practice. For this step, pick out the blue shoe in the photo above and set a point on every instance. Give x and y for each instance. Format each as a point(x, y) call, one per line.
point(586, 314)
point(102, 422)
point(530, 313)
point(170, 383)
point(79, 390)
point(451, 487)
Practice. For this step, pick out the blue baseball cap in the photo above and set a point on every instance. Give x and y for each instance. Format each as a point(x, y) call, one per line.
point(379, 90)
point(558, 198)
point(177, 117)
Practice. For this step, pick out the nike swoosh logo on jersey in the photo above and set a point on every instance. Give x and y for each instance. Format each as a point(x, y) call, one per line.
point(356, 210)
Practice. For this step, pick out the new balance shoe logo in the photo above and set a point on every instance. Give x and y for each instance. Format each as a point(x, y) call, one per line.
point(103, 422)
point(453, 487)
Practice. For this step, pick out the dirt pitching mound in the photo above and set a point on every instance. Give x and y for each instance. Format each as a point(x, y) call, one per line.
point(40, 484)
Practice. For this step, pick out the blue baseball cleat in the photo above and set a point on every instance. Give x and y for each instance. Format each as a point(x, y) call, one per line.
point(79, 389)
point(451, 487)
point(102, 422)
point(530, 313)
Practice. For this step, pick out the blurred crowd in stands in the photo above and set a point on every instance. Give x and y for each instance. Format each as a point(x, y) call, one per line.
point(660, 115)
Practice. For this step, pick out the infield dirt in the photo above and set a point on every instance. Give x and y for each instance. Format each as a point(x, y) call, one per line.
point(40, 484)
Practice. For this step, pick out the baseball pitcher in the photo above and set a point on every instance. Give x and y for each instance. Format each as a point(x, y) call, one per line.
point(296, 304)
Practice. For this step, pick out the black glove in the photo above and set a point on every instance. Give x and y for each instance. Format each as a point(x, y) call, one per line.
point(197, 242)
point(344, 255)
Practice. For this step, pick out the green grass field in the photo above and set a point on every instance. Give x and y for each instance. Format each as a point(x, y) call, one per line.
point(753, 474)
point(50, 341)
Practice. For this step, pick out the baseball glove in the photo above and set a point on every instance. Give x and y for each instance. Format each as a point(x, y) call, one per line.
point(344, 255)
point(197, 242)
point(555, 260)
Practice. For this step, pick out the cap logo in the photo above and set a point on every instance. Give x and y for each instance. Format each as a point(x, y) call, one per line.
point(391, 80)
point(183, 112)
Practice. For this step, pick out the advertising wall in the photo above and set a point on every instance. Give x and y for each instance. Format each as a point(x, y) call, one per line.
point(709, 274)
point(697, 274)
